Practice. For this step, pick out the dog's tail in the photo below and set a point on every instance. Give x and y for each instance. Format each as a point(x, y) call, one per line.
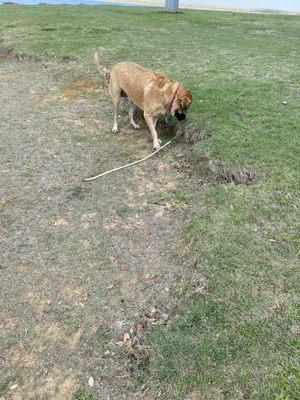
point(104, 71)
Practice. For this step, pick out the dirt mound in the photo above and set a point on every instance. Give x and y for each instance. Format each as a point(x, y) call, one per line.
point(24, 57)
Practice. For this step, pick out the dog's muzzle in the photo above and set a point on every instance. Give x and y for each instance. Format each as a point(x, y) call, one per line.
point(179, 116)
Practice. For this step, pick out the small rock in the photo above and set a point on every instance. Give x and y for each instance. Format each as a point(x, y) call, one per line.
point(91, 381)
point(284, 103)
point(14, 386)
point(61, 222)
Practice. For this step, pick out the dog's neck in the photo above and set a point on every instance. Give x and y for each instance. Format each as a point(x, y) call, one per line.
point(171, 101)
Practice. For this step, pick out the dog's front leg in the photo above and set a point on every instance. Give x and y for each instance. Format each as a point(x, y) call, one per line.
point(150, 122)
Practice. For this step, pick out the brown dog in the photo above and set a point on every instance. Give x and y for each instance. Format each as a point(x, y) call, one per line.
point(151, 91)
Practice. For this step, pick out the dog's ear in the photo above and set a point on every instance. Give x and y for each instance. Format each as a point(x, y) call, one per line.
point(185, 98)
point(160, 80)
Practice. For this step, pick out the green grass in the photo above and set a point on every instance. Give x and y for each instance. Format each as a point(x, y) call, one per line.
point(123, 210)
point(238, 339)
point(77, 192)
point(82, 394)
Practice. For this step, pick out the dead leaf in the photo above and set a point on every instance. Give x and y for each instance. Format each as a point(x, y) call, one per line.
point(150, 277)
point(61, 222)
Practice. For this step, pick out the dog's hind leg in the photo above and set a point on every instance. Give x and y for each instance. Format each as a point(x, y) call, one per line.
point(115, 100)
point(130, 114)
point(115, 92)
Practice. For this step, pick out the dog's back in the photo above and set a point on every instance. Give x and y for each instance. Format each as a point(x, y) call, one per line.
point(132, 79)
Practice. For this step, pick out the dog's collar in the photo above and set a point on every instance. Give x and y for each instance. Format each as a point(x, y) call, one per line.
point(170, 103)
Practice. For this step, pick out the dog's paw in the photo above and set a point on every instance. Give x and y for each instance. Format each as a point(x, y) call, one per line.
point(135, 126)
point(114, 129)
point(156, 145)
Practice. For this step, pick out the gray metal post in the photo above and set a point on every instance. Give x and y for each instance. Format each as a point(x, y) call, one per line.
point(171, 5)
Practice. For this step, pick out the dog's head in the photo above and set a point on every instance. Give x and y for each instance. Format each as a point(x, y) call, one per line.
point(181, 103)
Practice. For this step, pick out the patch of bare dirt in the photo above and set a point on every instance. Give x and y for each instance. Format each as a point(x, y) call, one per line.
point(224, 173)
point(24, 57)
point(209, 170)
point(87, 268)
point(81, 262)
point(79, 85)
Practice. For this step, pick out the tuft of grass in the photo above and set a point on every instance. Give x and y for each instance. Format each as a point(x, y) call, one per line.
point(79, 138)
point(4, 385)
point(83, 394)
point(99, 341)
point(123, 210)
point(48, 29)
point(77, 192)
point(177, 196)
point(102, 336)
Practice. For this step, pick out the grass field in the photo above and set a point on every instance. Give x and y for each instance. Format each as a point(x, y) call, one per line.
point(238, 338)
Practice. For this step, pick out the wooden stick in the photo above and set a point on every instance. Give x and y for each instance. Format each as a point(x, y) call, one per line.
point(130, 164)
